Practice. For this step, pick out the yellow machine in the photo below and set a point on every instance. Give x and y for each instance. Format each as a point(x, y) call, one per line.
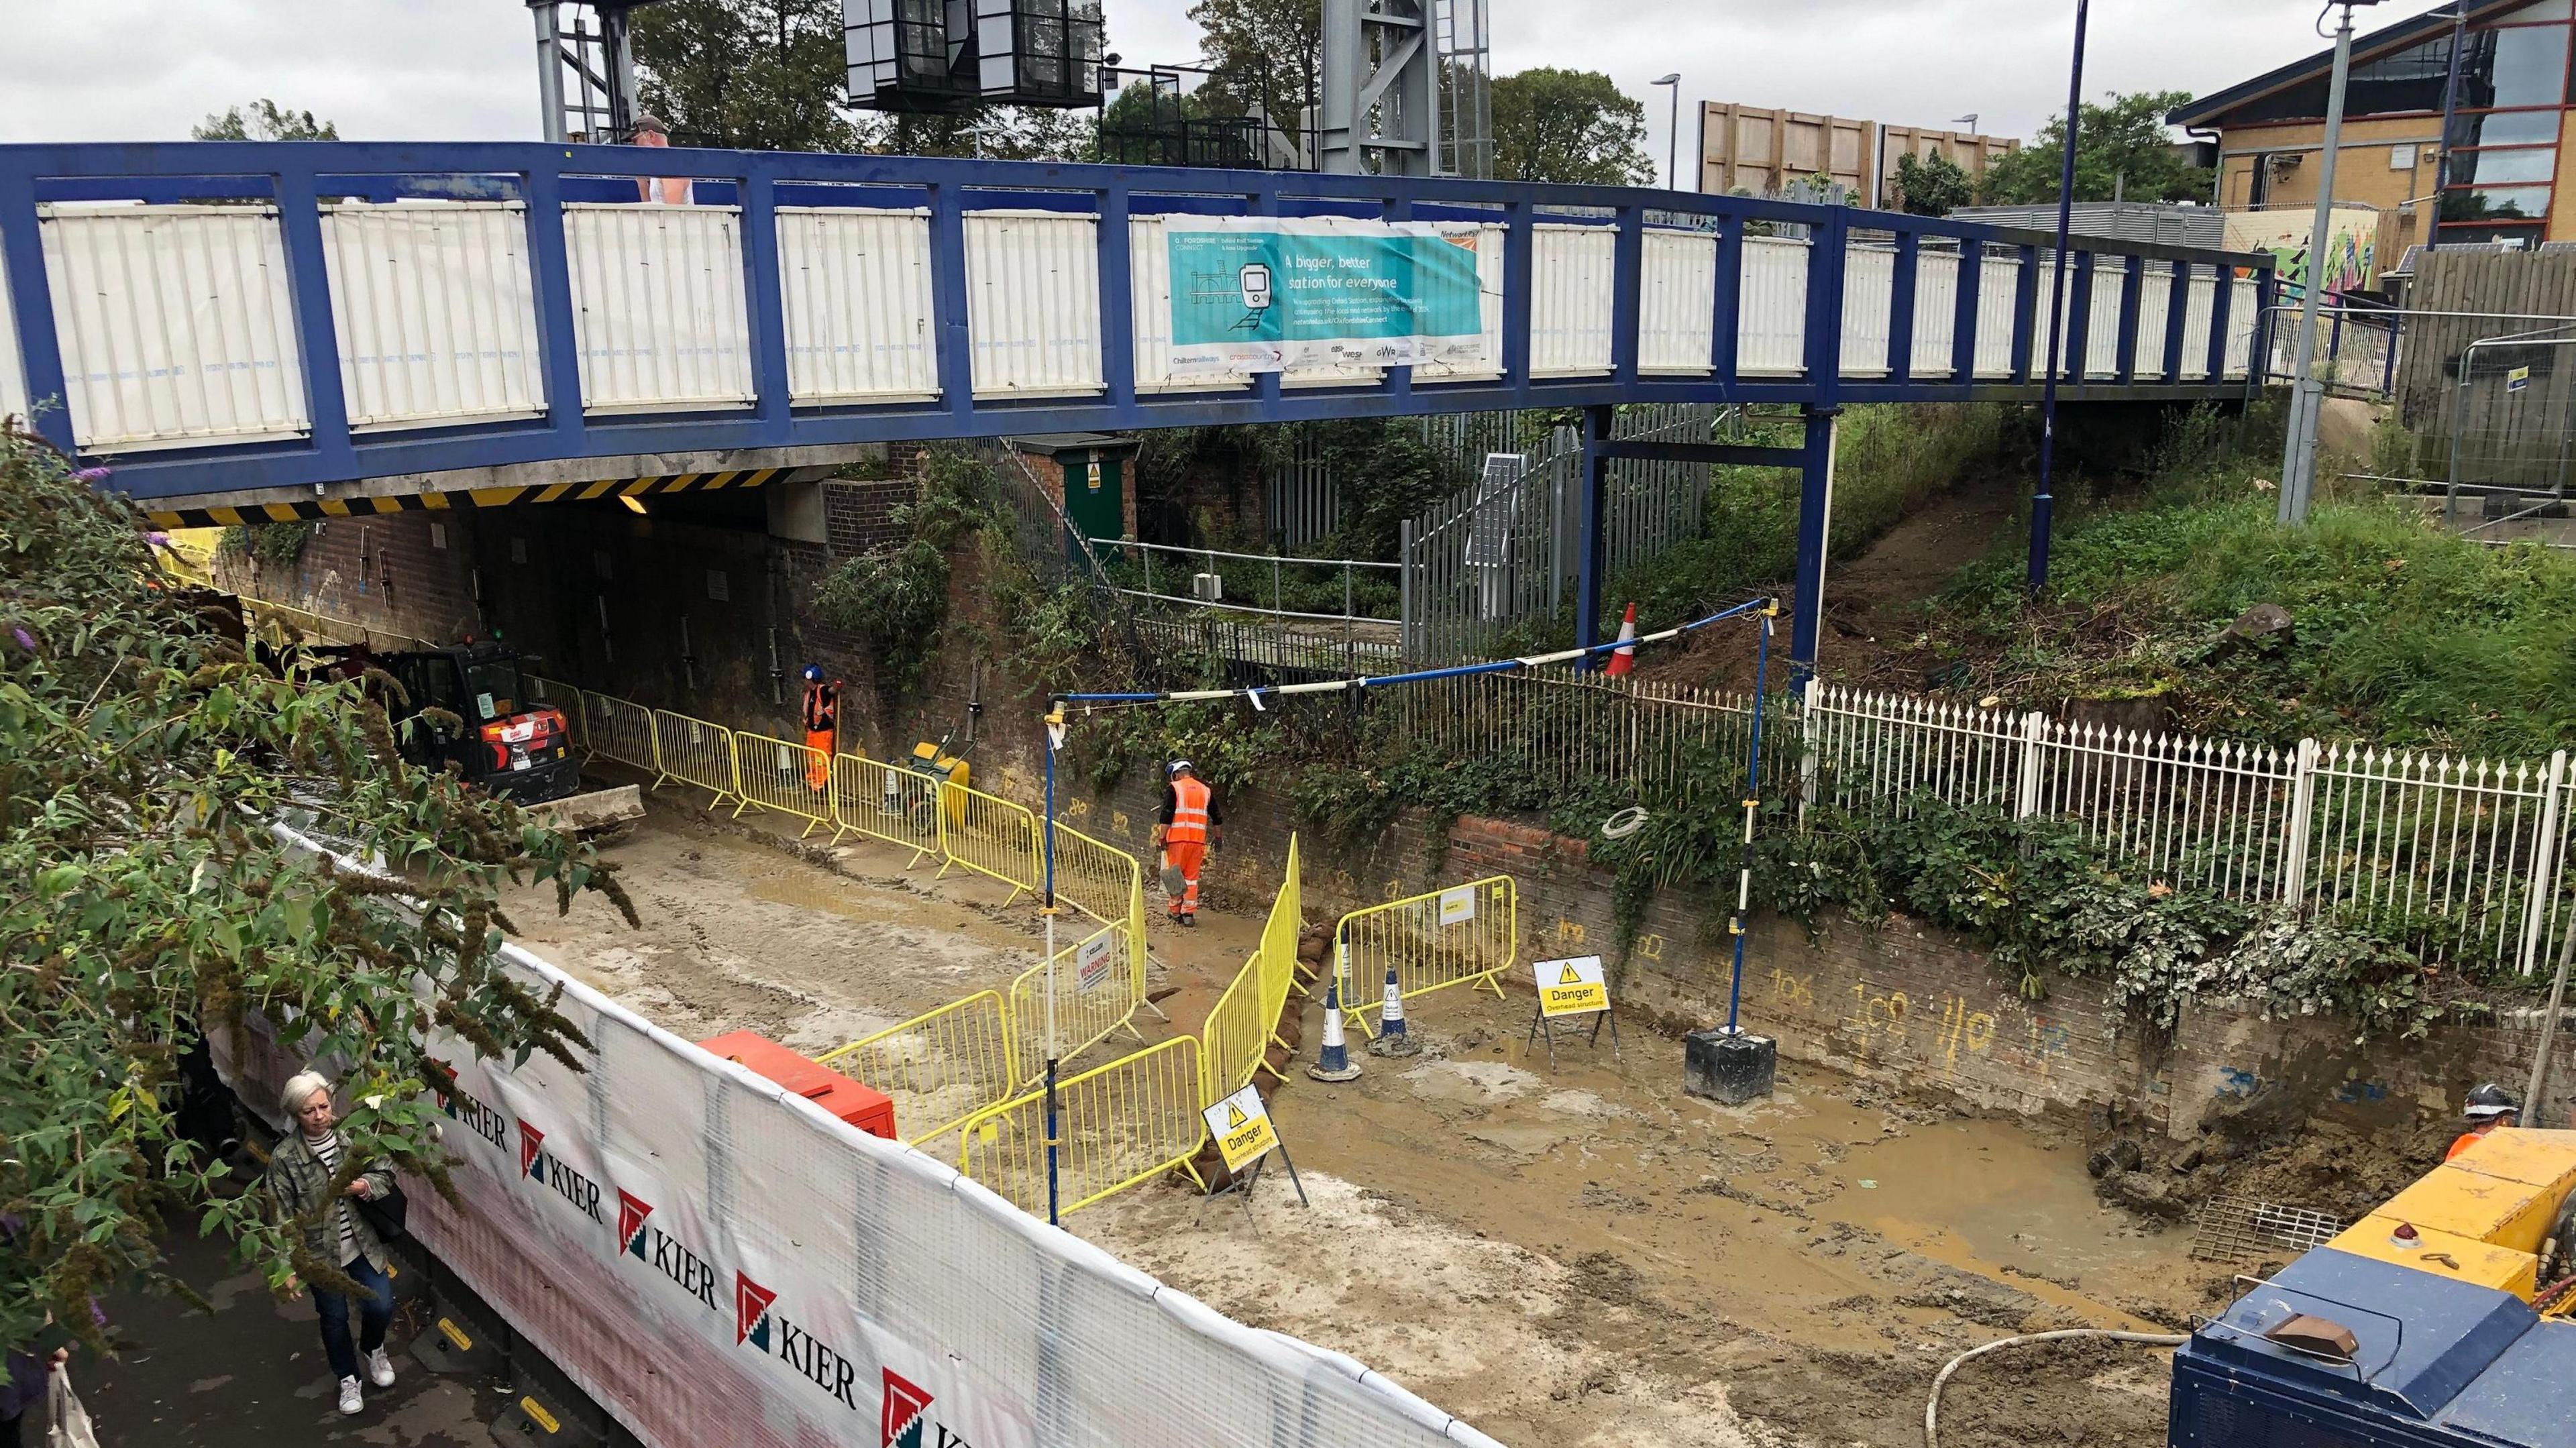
point(2496, 1216)
point(933, 762)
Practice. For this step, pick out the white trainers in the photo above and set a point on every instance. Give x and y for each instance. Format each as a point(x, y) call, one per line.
point(380, 1369)
point(350, 1399)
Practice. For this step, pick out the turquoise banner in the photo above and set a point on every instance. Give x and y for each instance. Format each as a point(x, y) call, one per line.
point(1257, 293)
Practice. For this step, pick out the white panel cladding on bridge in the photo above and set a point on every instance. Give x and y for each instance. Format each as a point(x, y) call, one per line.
point(2102, 329)
point(856, 288)
point(1570, 300)
point(1936, 311)
point(1676, 313)
point(1998, 295)
point(175, 324)
point(13, 378)
point(2244, 303)
point(2155, 306)
point(1489, 308)
point(1869, 302)
point(658, 306)
point(434, 312)
point(1771, 308)
point(1033, 303)
point(2195, 323)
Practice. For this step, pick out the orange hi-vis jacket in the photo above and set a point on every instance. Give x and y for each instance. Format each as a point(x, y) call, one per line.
point(1189, 812)
point(820, 706)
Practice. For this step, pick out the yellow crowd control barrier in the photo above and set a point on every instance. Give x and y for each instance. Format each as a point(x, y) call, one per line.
point(1117, 1125)
point(1102, 882)
point(989, 836)
point(1279, 932)
point(775, 774)
point(1234, 1043)
point(886, 802)
point(939, 1067)
point(566, 700)
point(1099, 984)
point(1466, 934)
point(694, 751)
point(620, 729)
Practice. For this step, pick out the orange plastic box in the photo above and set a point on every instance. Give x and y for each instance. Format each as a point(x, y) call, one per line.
point(867, 1109)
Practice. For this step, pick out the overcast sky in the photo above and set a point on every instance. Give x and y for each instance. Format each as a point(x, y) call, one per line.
point(80, 70)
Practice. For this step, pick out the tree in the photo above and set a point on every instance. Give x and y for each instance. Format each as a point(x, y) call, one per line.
point(1001, 133)
point(1270, 51)
point(143, 761)
point(2125, 149)
point(1932, 185)
point(1568, 126)
point(263, 120)
point(759, 75)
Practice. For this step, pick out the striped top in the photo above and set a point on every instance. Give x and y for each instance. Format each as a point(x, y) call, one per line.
point(326, 1149)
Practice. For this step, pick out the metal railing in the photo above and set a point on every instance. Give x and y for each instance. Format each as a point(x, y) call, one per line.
point(1276, 566)
point(945, 1064)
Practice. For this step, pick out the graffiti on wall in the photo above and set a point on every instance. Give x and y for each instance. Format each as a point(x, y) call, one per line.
point(2351, 254)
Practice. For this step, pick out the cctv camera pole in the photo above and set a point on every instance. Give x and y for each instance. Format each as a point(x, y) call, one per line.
point(2042, 503)
point(2299, 453)
point(1054, 741)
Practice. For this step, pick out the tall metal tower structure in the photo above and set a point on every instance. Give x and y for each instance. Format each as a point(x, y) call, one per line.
point(1407, 89)
point(585, 68)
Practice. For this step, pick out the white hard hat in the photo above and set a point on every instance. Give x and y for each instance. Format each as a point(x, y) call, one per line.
point(1178, 765)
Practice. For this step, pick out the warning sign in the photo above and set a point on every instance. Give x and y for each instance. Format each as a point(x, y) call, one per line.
point(1241, 1126)
point(1572, 987)
point(2518, 379)
point(1458, 905)
point(1091, 963)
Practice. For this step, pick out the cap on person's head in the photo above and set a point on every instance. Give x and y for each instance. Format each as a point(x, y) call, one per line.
point(650, 122)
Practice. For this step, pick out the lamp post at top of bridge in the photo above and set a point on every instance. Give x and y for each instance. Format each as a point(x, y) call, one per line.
point(2307, 394)
point(2041, 502)
point(1672, 132)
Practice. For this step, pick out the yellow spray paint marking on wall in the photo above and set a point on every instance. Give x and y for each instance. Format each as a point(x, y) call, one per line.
point(1571, 987)
point(1241, 1126)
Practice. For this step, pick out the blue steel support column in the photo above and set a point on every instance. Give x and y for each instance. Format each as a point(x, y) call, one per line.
point(1726, 312)
point(954, 357)
point(1595, 483)
point(1117, 301)
point(1264, 202)
point(22, 272)
point(1399, 380)
point(2133, 281)
point(1900, 318)
point(764, 294)
point(558, 339)
point(1627, 285)
point(1963, 321)
point(2177, 313)
point(2258, 352)
point(2221, 293)
point(1828, 263)
point(2025, 315)
point(317, 339)
point(2078, 362)
point(1518, 267)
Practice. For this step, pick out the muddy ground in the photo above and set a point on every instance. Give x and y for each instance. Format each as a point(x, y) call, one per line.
point(1581, 1255)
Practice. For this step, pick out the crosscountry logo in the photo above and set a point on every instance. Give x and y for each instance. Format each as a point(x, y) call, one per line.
point(631, 1212)
point(751, 1312)
point(531, 1142)
point(906, 1407)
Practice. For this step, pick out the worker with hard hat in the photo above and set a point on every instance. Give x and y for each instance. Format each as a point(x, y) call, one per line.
point(2489, 1107)
point(1189, 826)
point(822, 727)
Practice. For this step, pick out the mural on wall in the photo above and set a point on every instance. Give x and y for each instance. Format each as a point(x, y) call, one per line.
point(2352, 242)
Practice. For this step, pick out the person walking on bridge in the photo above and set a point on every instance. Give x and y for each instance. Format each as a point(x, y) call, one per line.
point(334, 1233)
point(1187, 831)
point(822, 727)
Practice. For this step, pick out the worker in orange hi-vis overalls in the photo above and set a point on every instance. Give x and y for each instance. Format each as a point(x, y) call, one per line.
point(669, 190)
point(822, 723)
point(1187, 830)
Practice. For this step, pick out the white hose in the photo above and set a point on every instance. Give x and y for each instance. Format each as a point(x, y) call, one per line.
point(1932, 1409)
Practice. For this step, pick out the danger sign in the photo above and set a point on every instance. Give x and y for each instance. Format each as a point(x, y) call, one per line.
point(1571, 987)
point(1241, 1126)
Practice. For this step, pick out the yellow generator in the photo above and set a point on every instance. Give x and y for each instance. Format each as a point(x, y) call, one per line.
point(2486, 1216)
point(936, 765)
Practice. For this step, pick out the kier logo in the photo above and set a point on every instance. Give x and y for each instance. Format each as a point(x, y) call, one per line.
point(751, 1312)
point(631, 1212)
point(906, 1411)
point(531, 1147)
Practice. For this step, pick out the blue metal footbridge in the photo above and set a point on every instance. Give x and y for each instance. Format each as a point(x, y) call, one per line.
point(245, 331)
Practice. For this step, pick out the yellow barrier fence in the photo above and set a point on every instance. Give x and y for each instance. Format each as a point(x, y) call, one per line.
point(1279, 934)
point(989, 836)
point(1102, 882)
point(940, 1067)
point(1099, 984)
point(566, 700)
point(694, 751)
point(1119, 1124)
point(620, 729)
point(1241, 1026)
point(775, 774)
point(1466, 934)
point(886, 802)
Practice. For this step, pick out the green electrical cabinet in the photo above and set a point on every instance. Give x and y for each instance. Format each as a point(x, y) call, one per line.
point(1092, 466)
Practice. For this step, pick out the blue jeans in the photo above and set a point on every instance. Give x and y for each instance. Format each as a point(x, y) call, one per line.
point(374, 1311)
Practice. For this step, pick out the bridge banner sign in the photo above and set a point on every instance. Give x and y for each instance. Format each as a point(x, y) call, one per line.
point(1268, 293)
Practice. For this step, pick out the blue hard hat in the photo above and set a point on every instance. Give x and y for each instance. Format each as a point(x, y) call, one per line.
point(813, 673)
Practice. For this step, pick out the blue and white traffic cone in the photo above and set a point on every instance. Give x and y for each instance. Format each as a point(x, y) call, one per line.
point(1391, 1039)
point(1335, 1063)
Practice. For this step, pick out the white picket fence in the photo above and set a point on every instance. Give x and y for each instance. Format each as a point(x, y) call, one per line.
point(2466, 857)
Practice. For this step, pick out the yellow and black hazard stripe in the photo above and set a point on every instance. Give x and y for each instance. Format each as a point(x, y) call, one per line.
point(435, 502)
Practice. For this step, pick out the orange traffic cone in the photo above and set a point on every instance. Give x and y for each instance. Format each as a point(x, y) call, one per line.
point(1624, 657)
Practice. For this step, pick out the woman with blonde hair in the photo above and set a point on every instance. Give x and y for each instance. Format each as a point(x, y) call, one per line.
point(300, 1172)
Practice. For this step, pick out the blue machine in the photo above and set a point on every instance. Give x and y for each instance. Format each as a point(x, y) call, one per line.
point(2440, 1364)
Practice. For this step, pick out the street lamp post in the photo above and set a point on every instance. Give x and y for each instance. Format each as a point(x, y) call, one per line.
point(1673, 133)
point(2043, 502)
point(2307, 394)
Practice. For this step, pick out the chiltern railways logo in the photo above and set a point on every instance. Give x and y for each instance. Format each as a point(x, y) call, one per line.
point(906, 1411)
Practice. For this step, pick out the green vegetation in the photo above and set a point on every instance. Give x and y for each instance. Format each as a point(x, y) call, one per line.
point(2402, 633)
point(1933, 185)
point(143, 761)
point(263, 120)
point(275, 545)
point(894, 599)
point(2124, 149)
point(1571, 126)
